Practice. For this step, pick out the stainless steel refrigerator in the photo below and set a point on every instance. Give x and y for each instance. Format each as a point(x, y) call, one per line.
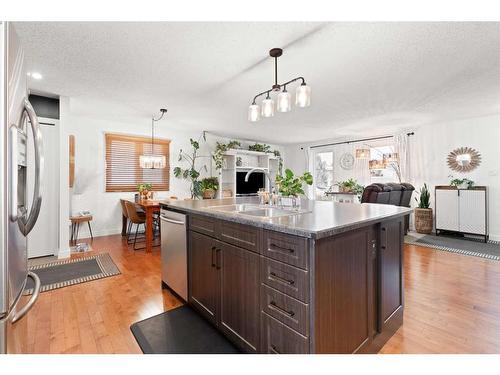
point(18, 213)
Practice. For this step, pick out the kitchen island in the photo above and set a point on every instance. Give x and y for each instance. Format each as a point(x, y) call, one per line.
point(327, 278)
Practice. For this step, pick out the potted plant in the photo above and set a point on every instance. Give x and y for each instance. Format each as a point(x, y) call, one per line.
point(259, 147)
point(144, 190)
point(209, 187)
point(191, 172)
point(350, 186)
point(423, 213)
point(461, 183)
point(291, 186)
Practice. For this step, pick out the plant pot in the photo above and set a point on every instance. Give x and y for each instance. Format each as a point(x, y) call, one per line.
point(423, 220)
point(343, 189)
point(209, 194)
point(289, 201)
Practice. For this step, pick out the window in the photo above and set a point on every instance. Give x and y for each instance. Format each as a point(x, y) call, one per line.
point(323, 172)
point(123, 172)
point(382, 170)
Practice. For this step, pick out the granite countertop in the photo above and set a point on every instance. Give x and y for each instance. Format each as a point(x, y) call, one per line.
point(322, 219)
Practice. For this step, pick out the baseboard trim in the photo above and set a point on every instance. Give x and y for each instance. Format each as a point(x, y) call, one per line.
point(66, 253)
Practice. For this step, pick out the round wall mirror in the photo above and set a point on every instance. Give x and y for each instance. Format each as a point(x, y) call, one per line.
point(464, 159)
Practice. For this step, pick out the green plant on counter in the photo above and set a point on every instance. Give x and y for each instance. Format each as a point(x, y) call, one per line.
point(461, 182)
point(191, 172)
point(260, 147)
point(290, 185)
point(424, 200)
point(221, 149)
point(350, 186)
point(210, 183)
point(144, 187)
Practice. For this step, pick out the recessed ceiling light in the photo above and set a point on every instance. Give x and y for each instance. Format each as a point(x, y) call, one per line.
point(36, 75)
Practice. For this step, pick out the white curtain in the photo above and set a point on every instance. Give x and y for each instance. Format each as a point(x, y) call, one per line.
point(402, 148)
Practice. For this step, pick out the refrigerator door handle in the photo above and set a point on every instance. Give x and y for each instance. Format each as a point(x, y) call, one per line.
point(26, 225)
point(13, 135)
point(36, 291)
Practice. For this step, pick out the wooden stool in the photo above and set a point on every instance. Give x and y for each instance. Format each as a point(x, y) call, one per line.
point(75, 226)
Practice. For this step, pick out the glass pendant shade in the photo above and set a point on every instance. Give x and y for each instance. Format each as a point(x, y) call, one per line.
point(284, 102)
point(303, 96)
point(268, 108)
point(152, 161)
point(362, 153)
point(254, 113)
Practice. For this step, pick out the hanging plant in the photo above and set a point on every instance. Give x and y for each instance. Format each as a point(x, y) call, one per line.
point(221, 149)
point(191, 173)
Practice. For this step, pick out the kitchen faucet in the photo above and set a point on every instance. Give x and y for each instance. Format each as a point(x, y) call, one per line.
point(270, 189)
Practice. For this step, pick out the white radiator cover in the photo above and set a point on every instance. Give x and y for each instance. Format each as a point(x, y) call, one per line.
point(462, 210)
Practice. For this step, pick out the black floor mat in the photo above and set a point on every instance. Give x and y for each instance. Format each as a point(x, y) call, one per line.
point(180, 331)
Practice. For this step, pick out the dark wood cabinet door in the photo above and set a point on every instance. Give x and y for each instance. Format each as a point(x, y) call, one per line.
point(239, 304)
point(390, 274)
point(203, 275)
point(344, 313)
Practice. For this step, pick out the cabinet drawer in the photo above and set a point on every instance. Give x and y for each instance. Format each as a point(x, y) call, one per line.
point(205, 225)
point(276, 338)
point(240, 235)
point(287, 279)
point(286, 248)
point(287, 310)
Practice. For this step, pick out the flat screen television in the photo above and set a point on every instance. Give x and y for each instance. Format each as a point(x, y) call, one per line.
point(255, 181)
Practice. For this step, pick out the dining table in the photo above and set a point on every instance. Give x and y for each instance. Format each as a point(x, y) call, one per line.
point(150, 208)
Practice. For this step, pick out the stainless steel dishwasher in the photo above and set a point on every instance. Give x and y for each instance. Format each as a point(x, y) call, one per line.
point(174, 251)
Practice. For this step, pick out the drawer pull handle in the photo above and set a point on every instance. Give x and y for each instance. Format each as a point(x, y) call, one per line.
point(273, 246)
point(274, 306)
point(274, 349)
point(275, 277)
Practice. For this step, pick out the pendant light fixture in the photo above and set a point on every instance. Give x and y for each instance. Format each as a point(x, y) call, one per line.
point(153, 161)
point(284, 98)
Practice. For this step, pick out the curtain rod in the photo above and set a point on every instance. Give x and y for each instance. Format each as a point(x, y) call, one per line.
point(357, 140)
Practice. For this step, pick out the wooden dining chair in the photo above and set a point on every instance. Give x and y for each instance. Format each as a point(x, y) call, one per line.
point(135, 218)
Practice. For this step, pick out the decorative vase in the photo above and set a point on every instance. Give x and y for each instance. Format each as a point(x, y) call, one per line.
point(145, 194)
point(209, 194)
point(423, 220)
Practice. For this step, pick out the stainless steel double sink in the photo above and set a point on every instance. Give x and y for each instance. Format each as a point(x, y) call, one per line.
point(256, 210)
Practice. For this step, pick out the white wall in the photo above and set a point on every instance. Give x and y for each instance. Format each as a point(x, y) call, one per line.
point(64, 192)
point(429, 148)
point(89, 189)
point(432, 143)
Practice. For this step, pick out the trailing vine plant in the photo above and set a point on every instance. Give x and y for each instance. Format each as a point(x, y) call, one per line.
point(220, 149)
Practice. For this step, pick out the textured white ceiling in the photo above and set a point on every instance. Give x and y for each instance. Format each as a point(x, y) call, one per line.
point(366, 78)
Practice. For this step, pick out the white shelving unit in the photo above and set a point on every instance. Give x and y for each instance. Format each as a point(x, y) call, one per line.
point(247, 160)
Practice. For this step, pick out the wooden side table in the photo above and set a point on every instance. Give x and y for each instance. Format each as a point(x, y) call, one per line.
point(75, 226)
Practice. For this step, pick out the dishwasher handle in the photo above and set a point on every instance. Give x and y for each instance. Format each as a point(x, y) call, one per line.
point(178, 222)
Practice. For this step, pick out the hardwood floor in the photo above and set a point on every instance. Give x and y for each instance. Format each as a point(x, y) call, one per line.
point(95, 317)
point(452, 305)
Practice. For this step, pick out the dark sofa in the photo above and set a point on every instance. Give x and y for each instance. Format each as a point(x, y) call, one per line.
point(391, 193)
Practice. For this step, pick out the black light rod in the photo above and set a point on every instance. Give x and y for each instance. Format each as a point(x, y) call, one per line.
point(280, 85)
point(357, 140)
